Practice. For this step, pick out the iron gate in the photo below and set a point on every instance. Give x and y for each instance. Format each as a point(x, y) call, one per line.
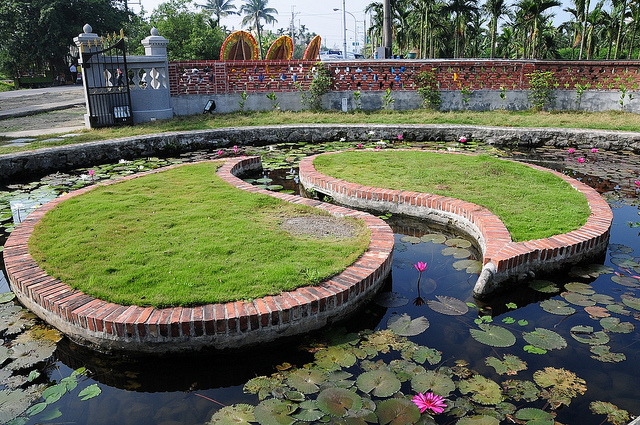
point(105, 76)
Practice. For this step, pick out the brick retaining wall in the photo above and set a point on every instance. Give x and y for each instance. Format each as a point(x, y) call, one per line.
point(218, 77)
point(108, 326)
point(504, 261)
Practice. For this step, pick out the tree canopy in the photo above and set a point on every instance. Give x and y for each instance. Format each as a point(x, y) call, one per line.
point(37, 34)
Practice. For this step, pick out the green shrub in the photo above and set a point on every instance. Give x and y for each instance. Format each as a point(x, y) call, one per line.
point(320, 85)
point(428, 89)
point(541, 87)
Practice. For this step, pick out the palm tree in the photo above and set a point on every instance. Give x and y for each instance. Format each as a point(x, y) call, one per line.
point(463, 10)
point(256, 11)
point(219, 8)
point(495, 9)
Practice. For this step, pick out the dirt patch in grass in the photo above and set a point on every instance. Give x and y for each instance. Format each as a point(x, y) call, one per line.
point(319, 227)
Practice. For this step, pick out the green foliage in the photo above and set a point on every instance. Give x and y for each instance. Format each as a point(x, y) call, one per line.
point(357, 97)
point(4, 86)
point(190, 35)
point(466, 93)
point(243, 99)
point(275, 105)
point(428, 89)
point(387, 100)
point(35, 35)
point(319, 85)
point(541, 89)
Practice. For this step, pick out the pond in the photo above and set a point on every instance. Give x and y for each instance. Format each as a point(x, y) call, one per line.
point(564, 346)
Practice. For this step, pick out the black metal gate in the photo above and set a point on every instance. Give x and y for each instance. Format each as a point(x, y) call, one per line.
point(105, 76)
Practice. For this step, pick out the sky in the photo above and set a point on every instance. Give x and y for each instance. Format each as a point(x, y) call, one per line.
point(318, 17)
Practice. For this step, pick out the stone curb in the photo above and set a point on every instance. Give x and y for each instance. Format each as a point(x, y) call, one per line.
point(108, 326)
point(46, 160)
point(503, 260)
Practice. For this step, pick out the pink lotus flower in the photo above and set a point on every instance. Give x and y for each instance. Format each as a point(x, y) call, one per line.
point(594, 150)
point(420, 266)
point(430, 401)
point(463, 139)
point(235, 149)
point(571, 150)
point(581, 160)
point(400, 137)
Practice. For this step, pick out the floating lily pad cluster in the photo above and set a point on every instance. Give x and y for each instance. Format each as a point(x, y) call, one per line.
point(460, 249)
point(370, 378)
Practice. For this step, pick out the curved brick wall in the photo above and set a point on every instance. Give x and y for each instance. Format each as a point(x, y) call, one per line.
point(504, 260)
point(107, 326)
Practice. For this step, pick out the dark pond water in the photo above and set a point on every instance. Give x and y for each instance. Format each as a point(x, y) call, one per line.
point(190, 389)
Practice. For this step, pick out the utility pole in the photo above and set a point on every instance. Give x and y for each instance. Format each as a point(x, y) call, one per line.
point(387, 39)
point(293, 25)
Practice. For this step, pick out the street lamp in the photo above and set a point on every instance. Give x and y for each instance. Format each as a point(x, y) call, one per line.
point(344, 25)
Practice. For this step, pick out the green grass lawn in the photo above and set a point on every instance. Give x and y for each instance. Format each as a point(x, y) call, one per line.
point(532, 204)
point(597, 120)
point(184, 237)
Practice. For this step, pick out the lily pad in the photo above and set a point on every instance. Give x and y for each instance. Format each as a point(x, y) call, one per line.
point(397, 411)
point(535, 416)
point(631, 302)
point(470, 266)
point(448, 305)
point(13, 403)
point(334, 358)
point(511, 364)
point(483, 390)
point(435, 238)
point(457, 242)
point(494, 336)
point(613, 324)
point(521, 390)
point(307, 381)
point(578, 299)
point(5, 297)
point(628, 281)
point(274, 412)
point(456, 252)
point(478, 420)
point(89, 392)
point(545, 339)
point(240, 414)
point(404, 326)
point(602, 353)
point(390, 299)
point(591, 270)
point(544, 286)
point(380, 383)
point(586, 335)
point(580, 288)
point(618, 309)
point(432, 381)
point(561, 379)
point(337, 401)
point(557, 307)
point(597, 312)
point(614, 414)
point(411, 239)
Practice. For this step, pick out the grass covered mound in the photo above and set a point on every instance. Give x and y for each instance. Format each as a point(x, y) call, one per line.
point(185, 237)
point(532, 204)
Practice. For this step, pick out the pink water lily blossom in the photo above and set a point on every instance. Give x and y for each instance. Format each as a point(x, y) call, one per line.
point(594, 150)
point(235, 149)
point(400, 136)
point(220, 152)
point(359, 145)
point(571, 150)
point(420, 266)
point(581, 160)
point(463, 139)
point(636, 182)
point(430, 401)
point(92, 173)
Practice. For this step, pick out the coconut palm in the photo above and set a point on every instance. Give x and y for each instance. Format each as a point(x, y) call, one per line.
point(219, 9)
point(254, 12)
point(462, 10)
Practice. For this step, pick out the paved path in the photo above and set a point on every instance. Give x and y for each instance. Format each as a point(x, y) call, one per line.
point(26, 103)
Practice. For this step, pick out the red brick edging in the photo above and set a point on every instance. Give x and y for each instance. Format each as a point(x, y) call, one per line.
point(504, 260)
point(108, 326)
